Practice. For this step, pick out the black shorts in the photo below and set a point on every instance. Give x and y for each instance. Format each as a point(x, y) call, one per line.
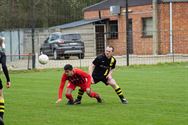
point(1, 85)
point(97, 79)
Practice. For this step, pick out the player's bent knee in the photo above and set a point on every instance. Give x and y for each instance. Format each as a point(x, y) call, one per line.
point(113, 84)
point(111, 81)
point(1, 93)
point(89, 93)
point(88, 90)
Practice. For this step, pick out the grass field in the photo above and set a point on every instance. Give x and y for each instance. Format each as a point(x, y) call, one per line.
point(157, 95)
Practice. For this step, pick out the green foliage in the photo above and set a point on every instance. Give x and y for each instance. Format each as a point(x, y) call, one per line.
point(157, 95)
point(45, 13)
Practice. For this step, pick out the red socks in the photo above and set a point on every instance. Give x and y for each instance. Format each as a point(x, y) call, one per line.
point(69, 96)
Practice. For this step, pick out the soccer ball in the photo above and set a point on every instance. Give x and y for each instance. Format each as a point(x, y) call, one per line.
point(43, 59)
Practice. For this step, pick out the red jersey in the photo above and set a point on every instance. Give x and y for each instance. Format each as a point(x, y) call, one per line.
point(78, 77)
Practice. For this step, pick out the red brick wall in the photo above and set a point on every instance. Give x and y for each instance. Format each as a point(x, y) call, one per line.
point(91, 14)
point(180, 28)
point(119, 44)
point(143, 45)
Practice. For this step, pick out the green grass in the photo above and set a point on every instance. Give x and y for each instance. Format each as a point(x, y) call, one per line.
point(157, 95)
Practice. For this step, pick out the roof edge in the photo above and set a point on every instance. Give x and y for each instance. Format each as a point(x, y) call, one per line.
point(94, 5)
point(78, 23)
point(167, 1)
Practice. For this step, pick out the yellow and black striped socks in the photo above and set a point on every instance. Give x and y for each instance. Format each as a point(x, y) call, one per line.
point(2, 108)
point(119, 93)
point(80, 94)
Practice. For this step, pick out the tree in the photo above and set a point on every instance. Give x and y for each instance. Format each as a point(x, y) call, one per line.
point(18, 13)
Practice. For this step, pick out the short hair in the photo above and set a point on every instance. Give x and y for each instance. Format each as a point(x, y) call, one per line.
point(111, 47)
point(68, 67)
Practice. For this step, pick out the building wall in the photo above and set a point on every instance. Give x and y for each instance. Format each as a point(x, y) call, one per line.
point(180, 28)
point(91, 15)
point(144, 45)
point(117, 43)
point(141, 45)
point(88, 37)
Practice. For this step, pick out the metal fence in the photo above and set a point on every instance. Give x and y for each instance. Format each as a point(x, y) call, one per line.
point(146, 46)
point(20, 56)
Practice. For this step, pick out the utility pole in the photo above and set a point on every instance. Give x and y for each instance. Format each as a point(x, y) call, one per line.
point(155, 28)
point(33, 34)
point(171, 28)
point(127, 34)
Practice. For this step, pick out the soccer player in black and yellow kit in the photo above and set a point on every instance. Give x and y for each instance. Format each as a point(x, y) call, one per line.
point(5, 70)
point(101, 70)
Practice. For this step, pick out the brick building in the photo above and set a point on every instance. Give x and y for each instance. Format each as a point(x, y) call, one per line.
point(171, 33)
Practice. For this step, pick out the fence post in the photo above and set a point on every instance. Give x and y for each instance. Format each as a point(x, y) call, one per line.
point(127, 34)
point(28, 61)
point(36, 60)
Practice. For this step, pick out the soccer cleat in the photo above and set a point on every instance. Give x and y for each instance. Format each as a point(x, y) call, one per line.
point(124, 101)
point(99, 100)
point(1, 121)
point(70, 102)
point(77, 102)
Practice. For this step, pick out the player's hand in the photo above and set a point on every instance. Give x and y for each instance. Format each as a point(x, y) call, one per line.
point(92, 81)
point(8, 84)
point(58, 101)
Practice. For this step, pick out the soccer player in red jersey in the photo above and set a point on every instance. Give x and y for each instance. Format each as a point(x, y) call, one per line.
point(76, 77)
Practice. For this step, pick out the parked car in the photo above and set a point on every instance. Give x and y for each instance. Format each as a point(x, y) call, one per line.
point(59, 44)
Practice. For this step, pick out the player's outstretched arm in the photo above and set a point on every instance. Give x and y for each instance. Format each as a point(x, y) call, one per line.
point(90, 70)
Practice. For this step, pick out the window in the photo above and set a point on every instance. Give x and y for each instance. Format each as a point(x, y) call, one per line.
point(54, 37)
point(147, 27)
point(71, 37)
point(113, 29)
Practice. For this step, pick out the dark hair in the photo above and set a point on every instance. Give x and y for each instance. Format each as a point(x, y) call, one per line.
point(68, 67)
point(111, 47)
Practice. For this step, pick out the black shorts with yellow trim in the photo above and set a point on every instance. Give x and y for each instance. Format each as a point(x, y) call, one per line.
point(97, 79)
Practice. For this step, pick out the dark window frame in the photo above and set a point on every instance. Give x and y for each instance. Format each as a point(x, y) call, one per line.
point(113, 29)
point(145, 32)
